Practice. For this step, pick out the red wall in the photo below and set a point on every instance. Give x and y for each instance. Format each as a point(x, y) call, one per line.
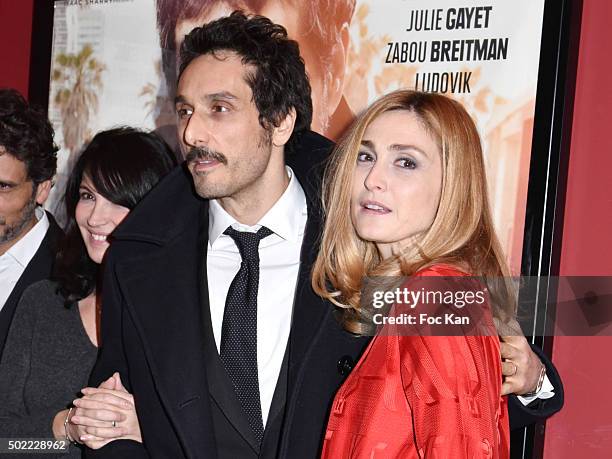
point(15, 38)
point(584, 427)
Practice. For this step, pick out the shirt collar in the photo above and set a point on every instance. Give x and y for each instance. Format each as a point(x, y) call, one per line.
point(283, 218)
point(24, 249)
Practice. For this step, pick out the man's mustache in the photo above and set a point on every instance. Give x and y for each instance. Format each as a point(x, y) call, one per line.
point(204, 154)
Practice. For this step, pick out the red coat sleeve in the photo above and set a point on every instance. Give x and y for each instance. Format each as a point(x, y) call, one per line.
point(453, 387)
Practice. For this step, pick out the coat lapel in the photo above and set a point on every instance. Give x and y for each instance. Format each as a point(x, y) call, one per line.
point(161, 288)
point(309, 310)
point(161, 294)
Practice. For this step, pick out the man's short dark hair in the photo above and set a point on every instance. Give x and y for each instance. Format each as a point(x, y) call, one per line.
point(27, 135)
point(279, 82)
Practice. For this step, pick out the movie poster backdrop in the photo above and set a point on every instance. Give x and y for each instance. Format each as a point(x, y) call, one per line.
point(114, 63)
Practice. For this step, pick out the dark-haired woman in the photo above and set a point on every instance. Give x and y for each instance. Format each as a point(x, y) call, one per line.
point(53, 340)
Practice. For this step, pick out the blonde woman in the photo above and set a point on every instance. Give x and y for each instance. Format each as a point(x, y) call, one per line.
point(405, 195)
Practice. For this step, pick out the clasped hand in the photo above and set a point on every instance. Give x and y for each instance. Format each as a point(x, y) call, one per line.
point(104, 414)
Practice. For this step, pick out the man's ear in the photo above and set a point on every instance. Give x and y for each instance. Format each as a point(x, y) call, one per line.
point(282, 132)
point(42, 191)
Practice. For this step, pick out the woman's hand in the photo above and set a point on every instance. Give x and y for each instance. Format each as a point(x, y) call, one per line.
point(105, 414)
point(59, 432)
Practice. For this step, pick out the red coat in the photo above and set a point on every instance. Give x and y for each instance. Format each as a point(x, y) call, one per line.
point(422, 397)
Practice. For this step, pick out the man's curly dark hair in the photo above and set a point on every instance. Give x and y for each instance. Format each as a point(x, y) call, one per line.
point(279, 82)
point(27, 135)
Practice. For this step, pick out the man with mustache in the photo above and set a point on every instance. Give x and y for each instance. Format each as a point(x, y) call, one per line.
point(27, 233)
point(209, 315)
point(208, 311)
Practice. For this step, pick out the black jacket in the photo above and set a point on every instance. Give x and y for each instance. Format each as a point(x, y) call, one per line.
point(39, 268)
point(538, 410)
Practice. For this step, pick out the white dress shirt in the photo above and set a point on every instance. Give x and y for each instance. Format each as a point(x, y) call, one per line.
point(547, 391)
point(15, 260)
point(279, 256)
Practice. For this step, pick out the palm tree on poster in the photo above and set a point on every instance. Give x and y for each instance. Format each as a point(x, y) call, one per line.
point(79, 77)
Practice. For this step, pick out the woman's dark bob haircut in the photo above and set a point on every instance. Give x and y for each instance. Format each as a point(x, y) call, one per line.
point(123, 164)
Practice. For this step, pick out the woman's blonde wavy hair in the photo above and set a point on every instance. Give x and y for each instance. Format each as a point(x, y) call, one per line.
point(461, 234)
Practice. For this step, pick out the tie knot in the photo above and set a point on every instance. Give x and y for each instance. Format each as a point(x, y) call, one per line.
point(247, 242)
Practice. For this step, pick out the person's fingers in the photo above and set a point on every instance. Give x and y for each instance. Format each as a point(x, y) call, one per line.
point(79, 429)
point(87, 421)
point(507, 388)
point(124, 395)
point(108, 384)
point(93, 404)
point(509, 368)
point(100, 414)
point(118, 383)
point(106, 432)
point(94, 442)
point(110, 398)
point(508, 351)
point(87, 437)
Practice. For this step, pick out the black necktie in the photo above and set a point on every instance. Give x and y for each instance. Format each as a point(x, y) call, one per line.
point(239, 330)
